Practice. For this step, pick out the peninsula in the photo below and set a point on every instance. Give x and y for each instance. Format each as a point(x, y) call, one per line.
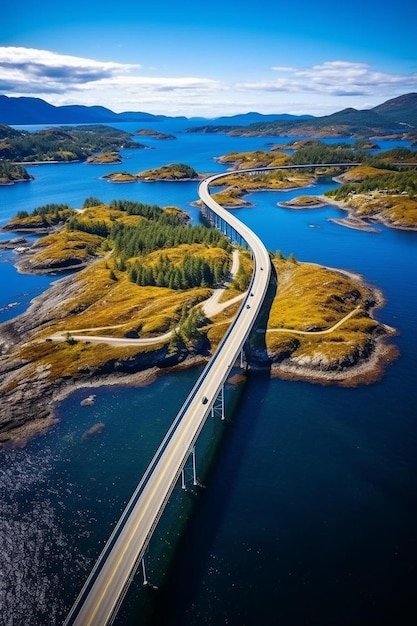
point(139, 305)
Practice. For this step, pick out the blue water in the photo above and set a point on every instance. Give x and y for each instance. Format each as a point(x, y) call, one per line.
point(308, 513)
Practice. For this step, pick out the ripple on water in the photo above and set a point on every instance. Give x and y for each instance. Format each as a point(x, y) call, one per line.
point(36, 556)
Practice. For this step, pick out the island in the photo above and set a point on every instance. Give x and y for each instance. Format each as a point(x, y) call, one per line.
point(382, 195)
point(104, 158)
point(171, 172)
point(11, 173)
point(374, 188)
point(141, 303)
point(65, 144)
point(156, 134)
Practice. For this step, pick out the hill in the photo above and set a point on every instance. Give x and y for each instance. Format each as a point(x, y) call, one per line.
point(402, 109)
point(397, 115)
point(16, 111)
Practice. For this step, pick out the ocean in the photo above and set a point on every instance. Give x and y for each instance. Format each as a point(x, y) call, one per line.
point(308, 509)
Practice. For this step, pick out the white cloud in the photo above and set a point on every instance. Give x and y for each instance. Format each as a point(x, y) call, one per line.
point(318, 90)
point(62, 79)
point(335, 78)
point(29, 68)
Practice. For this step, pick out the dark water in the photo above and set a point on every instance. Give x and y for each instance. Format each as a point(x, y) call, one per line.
point(308, 511)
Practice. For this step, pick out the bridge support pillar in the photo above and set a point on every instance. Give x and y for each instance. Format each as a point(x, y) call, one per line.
point(195, 481)
point(218, 407)
point(242, 359)
point(145, 580)
point(194, 467)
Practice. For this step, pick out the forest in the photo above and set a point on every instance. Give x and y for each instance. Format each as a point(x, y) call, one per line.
point(12, 172)
point(132, 244)
point(167, 231)
point(67, 143)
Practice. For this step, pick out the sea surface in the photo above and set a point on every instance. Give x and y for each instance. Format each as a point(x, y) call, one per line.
point(307, 512)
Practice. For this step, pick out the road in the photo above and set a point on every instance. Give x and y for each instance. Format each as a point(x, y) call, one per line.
point(104, 590)
point(210, 307)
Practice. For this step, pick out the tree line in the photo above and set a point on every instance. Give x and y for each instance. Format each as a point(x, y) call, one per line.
point(63, 144)
point(192, 271)
point(48, 214)
point(168, 231)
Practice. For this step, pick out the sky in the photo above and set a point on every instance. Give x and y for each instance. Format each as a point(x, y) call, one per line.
point(208, 59)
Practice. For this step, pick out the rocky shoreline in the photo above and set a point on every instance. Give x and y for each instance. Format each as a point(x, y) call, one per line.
point(352, 220)
point(361, 373)
point(29, 396)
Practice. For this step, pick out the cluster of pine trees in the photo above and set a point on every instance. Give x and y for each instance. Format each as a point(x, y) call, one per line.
point(158, 230)
point(48, 214)
point(319, 152)
point(192, 271)
point(166, 232)
point(93, 227)
point(131, 207)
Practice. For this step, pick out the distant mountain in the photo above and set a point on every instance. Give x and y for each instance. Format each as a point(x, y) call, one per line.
point(402, 109)
point(398, 115)
point(252, 118)
point(393, 116)
point(15, 111)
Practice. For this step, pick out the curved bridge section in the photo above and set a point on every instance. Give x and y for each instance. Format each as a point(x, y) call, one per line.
point(103, 592)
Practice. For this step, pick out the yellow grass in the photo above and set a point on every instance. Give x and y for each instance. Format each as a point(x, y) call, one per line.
point(258, 158)
point(66, 245)
point(311, 298)
point(361, 172)
point(100, 301)
point(63, 359)
point(176, 255)
point(394, 209)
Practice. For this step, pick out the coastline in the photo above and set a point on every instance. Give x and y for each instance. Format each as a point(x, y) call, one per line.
point(31, 402)
point(363, 373)
point(352, 220)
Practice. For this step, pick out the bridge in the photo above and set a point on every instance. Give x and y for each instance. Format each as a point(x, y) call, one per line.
point(103, 592)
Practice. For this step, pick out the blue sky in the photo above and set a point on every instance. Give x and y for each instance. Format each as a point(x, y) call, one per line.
point(208, 59)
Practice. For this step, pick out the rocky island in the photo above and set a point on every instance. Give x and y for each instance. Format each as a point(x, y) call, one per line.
point(136, 308)
point(170, 173)
point(155, 134)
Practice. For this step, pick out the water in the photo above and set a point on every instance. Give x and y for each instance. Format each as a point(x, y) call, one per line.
point(309, 512)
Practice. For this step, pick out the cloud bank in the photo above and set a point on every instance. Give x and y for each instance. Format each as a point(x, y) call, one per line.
point(319, 89)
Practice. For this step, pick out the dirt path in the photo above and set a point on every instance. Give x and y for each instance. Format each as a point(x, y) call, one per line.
point(316, 332)
point(210, 307)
